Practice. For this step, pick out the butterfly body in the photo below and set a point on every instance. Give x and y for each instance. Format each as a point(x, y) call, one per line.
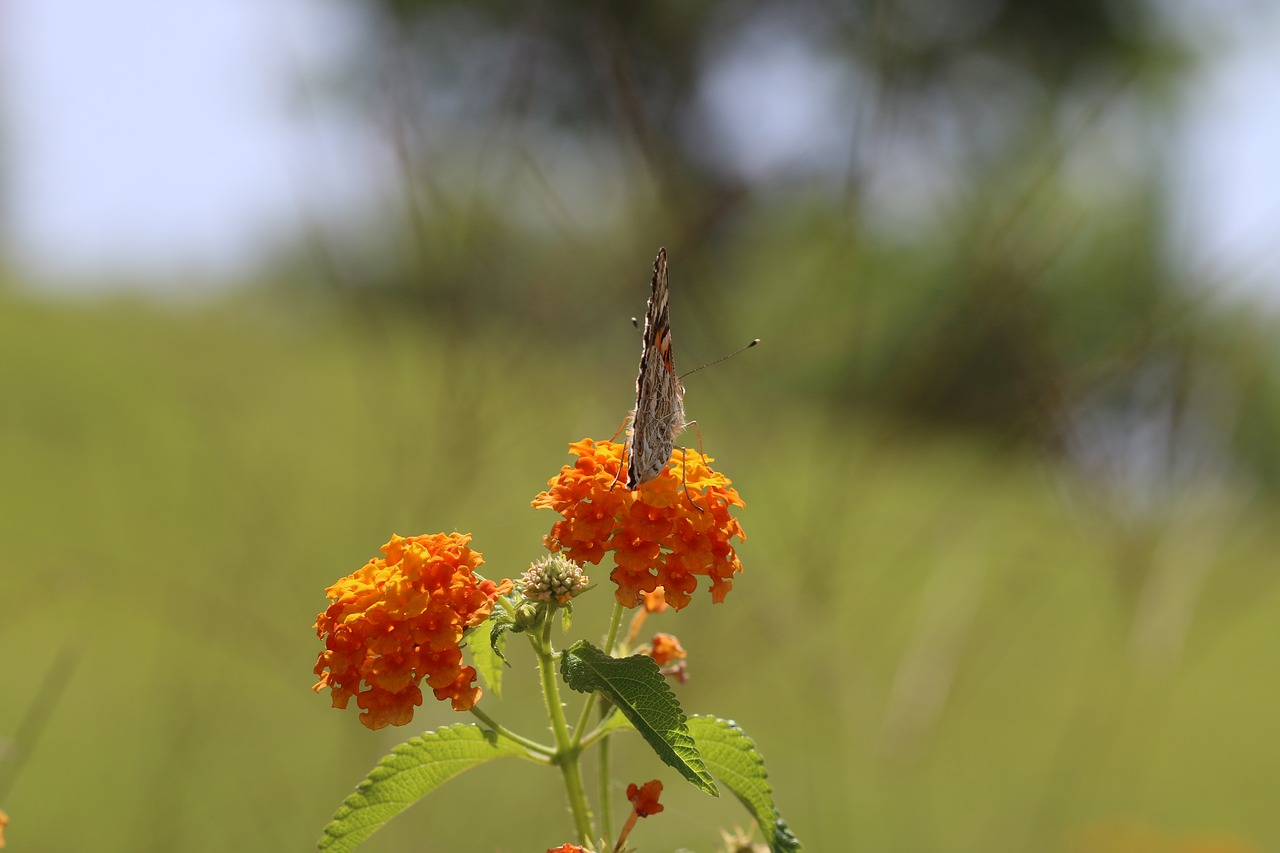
point(659, 413)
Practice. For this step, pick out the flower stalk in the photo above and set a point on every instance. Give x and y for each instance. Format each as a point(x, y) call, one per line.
point(567, 750)
point(395, 629)
point(533, 746)
point(606, 757)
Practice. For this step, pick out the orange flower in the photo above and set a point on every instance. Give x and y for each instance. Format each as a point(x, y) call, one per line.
point(644, 799)
point(659, 538)
point(655, 602)
point(665, 649)
point(567, 848)
point(4, 821)
point(398, 621)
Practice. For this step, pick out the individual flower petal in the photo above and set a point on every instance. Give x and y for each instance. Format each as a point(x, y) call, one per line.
point(397, 621)
point(657, 535)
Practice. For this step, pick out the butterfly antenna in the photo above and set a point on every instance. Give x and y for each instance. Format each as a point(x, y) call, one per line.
point(721, 358)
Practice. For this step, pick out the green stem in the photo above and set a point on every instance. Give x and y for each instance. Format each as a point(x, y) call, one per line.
point(615, 622)
point(606, 793)
point(599, 731)
point(576, 737)
point(606, 757)
point(506, 605)
point(567, 751)
point(531, 745)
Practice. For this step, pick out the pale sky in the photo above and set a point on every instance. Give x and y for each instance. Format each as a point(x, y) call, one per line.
point(151, 137)
point(1227, 195)
point(169, 141)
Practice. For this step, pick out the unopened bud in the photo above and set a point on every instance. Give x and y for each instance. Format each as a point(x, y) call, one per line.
point(555, 578)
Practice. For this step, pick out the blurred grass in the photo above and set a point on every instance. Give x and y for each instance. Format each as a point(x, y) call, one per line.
point(936, 644)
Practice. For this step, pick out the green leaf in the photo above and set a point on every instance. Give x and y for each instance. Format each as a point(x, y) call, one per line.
point(640, 692)
point(503, 620)
point(488, 659)
point(732, 758)
point(412, 770)
point(616, 722)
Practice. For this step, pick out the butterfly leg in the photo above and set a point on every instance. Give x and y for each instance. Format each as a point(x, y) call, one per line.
point(622, 464)
point(684, 456)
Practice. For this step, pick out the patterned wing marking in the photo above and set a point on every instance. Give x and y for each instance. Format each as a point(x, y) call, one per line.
point(659, 413)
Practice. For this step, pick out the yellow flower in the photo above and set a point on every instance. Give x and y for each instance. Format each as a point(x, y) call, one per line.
point(657, 535)
point(397, 621)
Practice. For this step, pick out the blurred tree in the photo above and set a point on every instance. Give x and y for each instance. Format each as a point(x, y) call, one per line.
point(978, 187)
point(635, 76)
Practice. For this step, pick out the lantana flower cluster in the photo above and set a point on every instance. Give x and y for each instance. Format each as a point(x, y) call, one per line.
point(398, 621)
point(658, 536)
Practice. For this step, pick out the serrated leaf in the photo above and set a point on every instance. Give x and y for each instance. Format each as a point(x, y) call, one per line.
point(502, 623)
point(732, 758)
point(412, 770)
point(638, 689)
point(616, 722)
point(488, 660)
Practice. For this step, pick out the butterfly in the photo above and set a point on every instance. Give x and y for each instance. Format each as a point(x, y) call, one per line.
point(659, 413)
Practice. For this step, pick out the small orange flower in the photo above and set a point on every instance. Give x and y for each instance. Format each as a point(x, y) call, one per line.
point(398, 621)
point(567, 848)
point(656, 601)
point(665, 649)
point(658, 537)
point(4, 821)
point(644, 799)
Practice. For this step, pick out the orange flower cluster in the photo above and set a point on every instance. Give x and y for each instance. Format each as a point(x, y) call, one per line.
point(659, 538)
point(398, 621)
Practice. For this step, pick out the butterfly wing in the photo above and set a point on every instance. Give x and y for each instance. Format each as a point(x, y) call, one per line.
point(659, 413)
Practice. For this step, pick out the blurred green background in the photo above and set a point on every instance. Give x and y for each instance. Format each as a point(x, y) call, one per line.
point(1010, 461)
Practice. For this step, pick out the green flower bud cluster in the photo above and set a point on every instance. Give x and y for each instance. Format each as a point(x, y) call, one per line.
point(555, 578)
